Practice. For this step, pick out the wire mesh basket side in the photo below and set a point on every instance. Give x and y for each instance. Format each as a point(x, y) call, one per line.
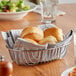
point(35, 57)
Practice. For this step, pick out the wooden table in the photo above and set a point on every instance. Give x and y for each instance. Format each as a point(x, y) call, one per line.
point(54, 68)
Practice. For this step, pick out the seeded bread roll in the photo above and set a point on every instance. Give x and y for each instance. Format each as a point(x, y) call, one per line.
point(34, 33)
point(49, 39)
point(54, 31)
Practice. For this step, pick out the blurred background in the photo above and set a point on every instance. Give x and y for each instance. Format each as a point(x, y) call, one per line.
point(67, 1)
point(60, 1)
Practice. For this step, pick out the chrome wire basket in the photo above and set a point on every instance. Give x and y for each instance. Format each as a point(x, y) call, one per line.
point(30, 57)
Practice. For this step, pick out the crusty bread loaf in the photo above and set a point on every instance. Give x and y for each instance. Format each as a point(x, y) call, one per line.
point(34, 33)
point(49, 39)
point(31, 41)
point(54, 31)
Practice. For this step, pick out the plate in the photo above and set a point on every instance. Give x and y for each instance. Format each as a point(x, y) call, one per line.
point(66, 72)
point(17, 15)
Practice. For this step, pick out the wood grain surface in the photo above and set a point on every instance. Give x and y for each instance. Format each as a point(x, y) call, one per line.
point(54, 68)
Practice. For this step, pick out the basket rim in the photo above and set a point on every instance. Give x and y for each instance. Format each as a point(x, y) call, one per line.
point(37, 49)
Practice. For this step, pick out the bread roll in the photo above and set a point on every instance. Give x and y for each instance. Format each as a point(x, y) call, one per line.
point(34, 33)
point(54, 31)
point(31, 41)
point(49, 39)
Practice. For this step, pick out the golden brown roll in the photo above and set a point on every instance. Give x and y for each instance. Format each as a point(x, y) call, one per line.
point(49, 39)
point(34, 33)
point(54, 31)
point(31, 41)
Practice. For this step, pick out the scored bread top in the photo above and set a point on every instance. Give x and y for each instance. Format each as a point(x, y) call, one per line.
point(31, 29)
point(32, 32)
point(49, 39)
point(54, 31)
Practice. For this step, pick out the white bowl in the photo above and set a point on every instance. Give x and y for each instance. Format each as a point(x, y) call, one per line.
point(66, 72)
point(17, 15)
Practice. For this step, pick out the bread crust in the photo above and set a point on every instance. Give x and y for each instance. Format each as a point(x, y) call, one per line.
point(54, 31)
point(31, 41)
point(49, 39)
point(34, 33)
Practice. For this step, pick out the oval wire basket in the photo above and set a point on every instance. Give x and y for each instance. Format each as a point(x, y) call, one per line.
point(31, 57)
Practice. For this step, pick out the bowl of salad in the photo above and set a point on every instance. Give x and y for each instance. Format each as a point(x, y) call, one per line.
point(15, 10)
